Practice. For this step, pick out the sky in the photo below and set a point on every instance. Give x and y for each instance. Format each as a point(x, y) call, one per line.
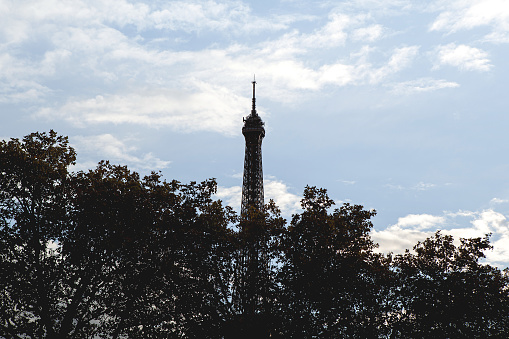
point(399, 106)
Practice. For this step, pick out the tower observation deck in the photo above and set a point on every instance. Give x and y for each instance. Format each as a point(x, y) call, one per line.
point(252, 186)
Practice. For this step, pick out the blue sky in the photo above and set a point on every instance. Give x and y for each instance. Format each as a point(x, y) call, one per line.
point(397, 105)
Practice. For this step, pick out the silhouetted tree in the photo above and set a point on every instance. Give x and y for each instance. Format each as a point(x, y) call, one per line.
point(164, 250)
point(444, 292)
point(34, 213)
point(255, 288)
point(333, 284)
point(107, 254)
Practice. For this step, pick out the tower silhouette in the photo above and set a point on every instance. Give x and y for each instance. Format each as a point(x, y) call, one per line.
point(252, 263)
point(252, 186)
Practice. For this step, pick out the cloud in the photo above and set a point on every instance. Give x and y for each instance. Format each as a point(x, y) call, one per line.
point(462, 56)
point(120, 61)
point(92, 41)
point(406, 232)
point(330, 35)
point(292, 74)
point(466, 15)
point(188, 16)
point(424, 186)
point(499, 201)
point(382, 7)
point(277, 190)
point(106, 146)
point(22, 91)
point(419, 221)
point(422, 85)
point(334, 33)
point(461, 15)
point(369, 34)
point(209, 95)
point(232, 16)
point(400, 59)
point(396, 240)
point(121, 52)
point(209, 107)
point(338, 203)
point(462, 224)
point(18, 78)
point(232, 196)
point(420, 186)
point(348, 182)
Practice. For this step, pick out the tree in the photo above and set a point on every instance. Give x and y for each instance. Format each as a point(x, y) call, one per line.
point(444, 292)
point(34, 212)
point(333, 283)
point(255, 289)
point(105, 253)
point(155, 255)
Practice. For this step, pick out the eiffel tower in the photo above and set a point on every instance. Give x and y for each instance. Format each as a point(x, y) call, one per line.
point(252, 186)
point(252, 264)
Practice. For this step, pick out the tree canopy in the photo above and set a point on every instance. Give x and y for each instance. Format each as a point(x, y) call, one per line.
point(108, 254)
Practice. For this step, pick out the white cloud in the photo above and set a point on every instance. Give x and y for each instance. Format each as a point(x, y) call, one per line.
point(86, 40)
point(192, 16)
point(338, 203)
point(382, 7)
point(406, 232)
point(348, 182)
point(288, 202)
point(397, 240)
point(21, 91)
point(420, 186)
point(330, 35)
point(18, 79)
point(462, 224)
point(277, 190)
point(293, 74)
point(189, 90)
point(461, 15)
point(400, 59)
point(419, 221)
point(107, 147)
point(424, 186)
point(422, 85)
point(499, 201)
point(369, 33)
point(198, 105)
point(187, 16)
point(489, 221)
point(469, 14)
point(208, 108)
point(462, 56)
point(232, 196)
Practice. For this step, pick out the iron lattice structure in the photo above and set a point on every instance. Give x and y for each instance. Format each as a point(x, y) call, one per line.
point(252, 186)
point(252, 263)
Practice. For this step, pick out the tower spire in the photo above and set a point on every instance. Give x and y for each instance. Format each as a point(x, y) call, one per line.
point(253, 109)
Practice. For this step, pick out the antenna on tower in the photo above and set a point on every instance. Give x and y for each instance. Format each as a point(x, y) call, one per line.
point(253, 110)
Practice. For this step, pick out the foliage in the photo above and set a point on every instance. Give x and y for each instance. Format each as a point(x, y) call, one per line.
point(444, 292)
point(34, 214)
point(332, 281)
point(132, 257)
point(107, 254)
